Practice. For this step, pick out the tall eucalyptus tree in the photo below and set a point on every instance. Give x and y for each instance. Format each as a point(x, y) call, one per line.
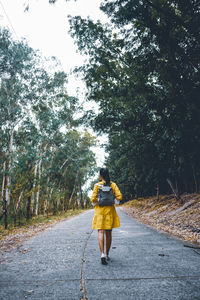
point(38, 137)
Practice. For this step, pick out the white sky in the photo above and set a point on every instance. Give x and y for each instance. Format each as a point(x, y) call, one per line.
point(45, 27)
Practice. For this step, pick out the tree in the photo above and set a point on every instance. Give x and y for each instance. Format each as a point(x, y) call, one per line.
point(14, 101)
point(38, 136)
point(143, 71)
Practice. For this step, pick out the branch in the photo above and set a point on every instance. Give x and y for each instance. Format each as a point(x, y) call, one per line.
point(176, 194)
point(171, 16)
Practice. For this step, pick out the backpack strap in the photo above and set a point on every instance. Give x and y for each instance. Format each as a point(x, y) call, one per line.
point(100, 185)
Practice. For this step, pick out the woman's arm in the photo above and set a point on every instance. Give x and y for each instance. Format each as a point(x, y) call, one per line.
point(94, 194)
point(116, 192)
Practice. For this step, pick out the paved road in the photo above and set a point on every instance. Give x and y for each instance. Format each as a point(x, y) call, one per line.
point(63, 262)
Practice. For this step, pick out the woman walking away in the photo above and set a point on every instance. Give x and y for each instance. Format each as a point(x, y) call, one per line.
point(105, 216)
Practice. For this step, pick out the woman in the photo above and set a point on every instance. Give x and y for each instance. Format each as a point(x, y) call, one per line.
point(105, 218)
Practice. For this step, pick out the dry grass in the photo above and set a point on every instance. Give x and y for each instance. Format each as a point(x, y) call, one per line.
point(181, 219)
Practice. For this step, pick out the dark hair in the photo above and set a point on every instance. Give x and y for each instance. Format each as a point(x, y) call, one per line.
point(105, 174)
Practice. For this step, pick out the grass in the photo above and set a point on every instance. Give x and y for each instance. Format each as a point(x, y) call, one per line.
point(137, 203)
point(165, 202)
point(37, 221)
point(151, 203)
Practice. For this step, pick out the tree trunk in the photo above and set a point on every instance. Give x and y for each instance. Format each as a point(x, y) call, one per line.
point(5, 204)
point(195, 180)
point(33, 202)
point(16, 207)
point(19, 217)
point(28, 208)
point(72, 194)
point(157, 192)
point(175, 191)
point(80, 188)
point(8, 167)
point(38, 192)
point(46, 202)
point(28, 211)
point(7, 189)
point(19, 200)
point(54, 202)
point(3, 181)
point(66, 201)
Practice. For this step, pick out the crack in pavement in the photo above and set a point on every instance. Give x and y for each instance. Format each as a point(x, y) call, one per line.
point(99, 279)
point(40, 281)
point(83, 268)
point(143, 278)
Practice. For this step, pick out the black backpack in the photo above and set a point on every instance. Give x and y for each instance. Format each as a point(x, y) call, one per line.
point(105, 196)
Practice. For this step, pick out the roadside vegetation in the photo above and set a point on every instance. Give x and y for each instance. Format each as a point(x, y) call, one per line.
point(13, 236)
point(45, 159)
point(143, 70)
point(179, 218)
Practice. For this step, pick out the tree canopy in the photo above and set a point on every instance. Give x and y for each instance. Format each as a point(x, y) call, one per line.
point(143, 71)
point(44, 158)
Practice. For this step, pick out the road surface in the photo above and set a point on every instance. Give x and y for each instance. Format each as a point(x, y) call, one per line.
point(63, 262)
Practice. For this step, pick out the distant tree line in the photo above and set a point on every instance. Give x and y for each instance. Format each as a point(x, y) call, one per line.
point(44, 159)
point(143, 71)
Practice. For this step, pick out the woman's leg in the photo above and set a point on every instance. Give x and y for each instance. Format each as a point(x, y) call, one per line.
point(101, 246)
point(101, 240)
point(108, 240)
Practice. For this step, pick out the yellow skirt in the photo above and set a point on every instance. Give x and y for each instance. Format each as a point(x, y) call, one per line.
point(105, 217)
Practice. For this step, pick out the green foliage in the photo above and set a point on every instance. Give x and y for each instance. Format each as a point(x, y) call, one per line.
point(143, 71)
point(44, 159)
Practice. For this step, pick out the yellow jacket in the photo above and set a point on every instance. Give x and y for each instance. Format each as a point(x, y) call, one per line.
point(105, 217)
